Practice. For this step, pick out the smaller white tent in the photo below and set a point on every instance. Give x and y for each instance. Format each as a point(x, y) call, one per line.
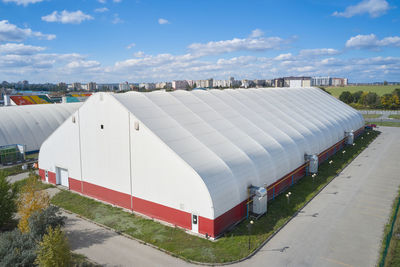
point(30, 125)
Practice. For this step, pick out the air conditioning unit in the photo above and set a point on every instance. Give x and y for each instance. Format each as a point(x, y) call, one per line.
point(313, 163)
point(349, 137)
point(259, 204)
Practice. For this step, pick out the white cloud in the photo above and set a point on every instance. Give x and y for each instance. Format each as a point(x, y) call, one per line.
point(256, 33)
point(12, 33)
point(22, 2)
point(102, 1)
point(79, 64)
point(129, 46)
point(117, 1)
point(284, 56)
point(117, 19)
point(101, 10)
point(73, 17)
point(20, 49)
point(372, 42)
point(374, 8)
point(163, 21)
point(318, 52)
point(237, 44)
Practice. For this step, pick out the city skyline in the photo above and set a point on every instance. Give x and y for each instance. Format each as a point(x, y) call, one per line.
point(142, 41)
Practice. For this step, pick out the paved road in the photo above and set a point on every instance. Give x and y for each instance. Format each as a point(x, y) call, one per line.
point(110, 249)
point(349, 214)
point(18, 177)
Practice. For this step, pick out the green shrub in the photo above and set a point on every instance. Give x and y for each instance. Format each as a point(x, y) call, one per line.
point(40, 221)
point(17, 249)
point(54, 249)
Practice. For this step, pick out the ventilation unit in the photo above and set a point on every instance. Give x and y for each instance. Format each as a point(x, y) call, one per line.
point(259, 204)
point(313, 163)
point(349, 137)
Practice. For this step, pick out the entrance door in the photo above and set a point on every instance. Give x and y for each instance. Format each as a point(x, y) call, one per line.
point(195, 223)
point(62, 177)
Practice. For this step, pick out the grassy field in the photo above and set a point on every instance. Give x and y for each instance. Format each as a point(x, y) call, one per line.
point(393, 254)
point(371, 116)
point(395, 116)
point(387, 123)
point(233, 245)
point(379, 89)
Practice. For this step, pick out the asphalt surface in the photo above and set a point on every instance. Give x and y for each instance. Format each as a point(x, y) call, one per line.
point(18, 177)
point(343, 225)
point(110, 249)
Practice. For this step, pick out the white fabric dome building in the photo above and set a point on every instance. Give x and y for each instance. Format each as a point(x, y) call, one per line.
point(189, 158)
point(30, 125)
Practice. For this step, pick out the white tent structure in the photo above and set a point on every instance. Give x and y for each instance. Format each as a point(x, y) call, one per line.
point(30, 125)
point(189, 158)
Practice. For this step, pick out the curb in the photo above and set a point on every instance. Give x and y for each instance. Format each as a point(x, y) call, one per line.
point(222, 263)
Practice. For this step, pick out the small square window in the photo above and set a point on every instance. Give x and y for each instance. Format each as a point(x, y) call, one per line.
point(102, 126)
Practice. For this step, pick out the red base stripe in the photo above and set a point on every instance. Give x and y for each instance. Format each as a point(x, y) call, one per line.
point(164, 213)
point(107, 195)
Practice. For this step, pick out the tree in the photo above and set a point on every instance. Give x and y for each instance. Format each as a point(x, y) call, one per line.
point(17, 249)
point(54, 249)
point(346, 97)
point(39, 221)
point(31, 199)
point(357, 96)
point(7, 201)
point(385, 83)
point(372, 99)
point(387, 100)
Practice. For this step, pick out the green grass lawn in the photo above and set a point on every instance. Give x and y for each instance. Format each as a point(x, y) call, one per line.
point(233, 245)
point(395, 116)
point(393, 254)
point(371, 116)
point(387, 123)
point(379, 89)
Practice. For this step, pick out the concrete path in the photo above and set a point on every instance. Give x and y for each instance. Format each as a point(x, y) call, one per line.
point(18, 177)
point(110, 249)
point(349, 214)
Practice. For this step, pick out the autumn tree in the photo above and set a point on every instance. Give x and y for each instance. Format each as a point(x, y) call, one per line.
point(54, 249)
point(31, 199)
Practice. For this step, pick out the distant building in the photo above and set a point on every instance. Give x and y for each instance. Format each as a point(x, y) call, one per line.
point(321, 81)
point(179, 85)
point(76, 86)
point(297, 81)
point(205, 83)
point(164, 85)
point(147, 86)
point(339, 81)
point(123, 86)
point(279, 82)
point(91, 86)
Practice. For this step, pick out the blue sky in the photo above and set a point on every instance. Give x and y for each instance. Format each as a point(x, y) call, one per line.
point(143, 40)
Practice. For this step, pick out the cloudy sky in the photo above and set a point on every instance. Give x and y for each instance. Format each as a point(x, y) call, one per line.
point(149, 40)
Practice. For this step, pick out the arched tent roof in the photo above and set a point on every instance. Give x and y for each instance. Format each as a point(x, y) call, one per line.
point(30, 125)
point(235, 138)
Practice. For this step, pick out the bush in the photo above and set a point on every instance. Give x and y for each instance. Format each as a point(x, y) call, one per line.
point(346, 97)
point(54, 250)
point(31, 199)
point(39, 221)
point(7, 201)
point(17, 249)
